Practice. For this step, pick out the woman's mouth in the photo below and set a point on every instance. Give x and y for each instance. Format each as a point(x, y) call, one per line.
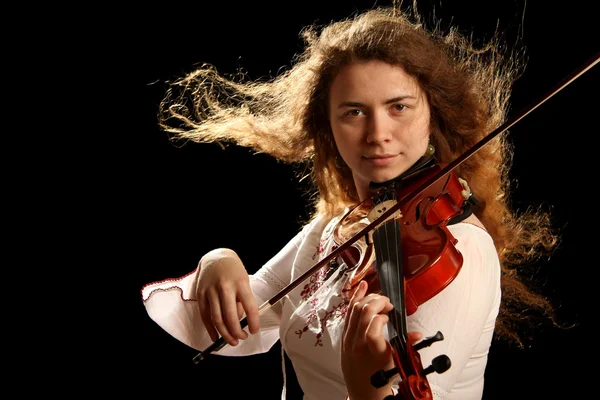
point(380, 160)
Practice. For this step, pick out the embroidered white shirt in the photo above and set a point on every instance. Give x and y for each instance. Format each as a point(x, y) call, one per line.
point(309, 321)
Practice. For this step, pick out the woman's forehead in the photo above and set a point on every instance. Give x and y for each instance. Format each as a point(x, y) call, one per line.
point(374, 79)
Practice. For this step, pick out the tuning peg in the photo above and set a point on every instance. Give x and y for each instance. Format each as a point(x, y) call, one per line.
point(381, 377)
point(428, 341)
point(439, 364)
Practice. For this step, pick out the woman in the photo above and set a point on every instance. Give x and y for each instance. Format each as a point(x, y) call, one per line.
point(369, 100)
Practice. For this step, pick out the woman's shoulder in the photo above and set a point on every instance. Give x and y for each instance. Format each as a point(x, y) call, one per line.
point(473, 220)
point(474, 240)
point(471, 230)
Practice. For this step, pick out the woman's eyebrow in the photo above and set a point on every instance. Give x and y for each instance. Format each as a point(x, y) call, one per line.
point(390, 101)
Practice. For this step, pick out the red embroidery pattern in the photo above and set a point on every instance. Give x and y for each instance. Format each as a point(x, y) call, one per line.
point(320, 248)
point(338, 311)
point(311, 318)
point(316, 281)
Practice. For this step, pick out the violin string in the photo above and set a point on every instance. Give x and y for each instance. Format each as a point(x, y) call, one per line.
point(398, 313)
point(389, 266)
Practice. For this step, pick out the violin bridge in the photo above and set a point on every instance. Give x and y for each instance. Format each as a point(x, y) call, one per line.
point(382, 207)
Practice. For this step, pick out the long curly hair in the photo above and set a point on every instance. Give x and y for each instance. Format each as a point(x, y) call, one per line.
point(468, 89)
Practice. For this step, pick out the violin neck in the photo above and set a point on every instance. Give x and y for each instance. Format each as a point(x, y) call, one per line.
point(388, 255)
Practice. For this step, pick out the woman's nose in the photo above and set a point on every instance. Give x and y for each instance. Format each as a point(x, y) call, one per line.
point(379, 128)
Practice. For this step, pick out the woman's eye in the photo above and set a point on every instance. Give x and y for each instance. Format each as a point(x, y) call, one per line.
point(353, 113)
point(399, 107)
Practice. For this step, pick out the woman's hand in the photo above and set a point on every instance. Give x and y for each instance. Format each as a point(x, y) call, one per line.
point(365, 350)
point(224, 295)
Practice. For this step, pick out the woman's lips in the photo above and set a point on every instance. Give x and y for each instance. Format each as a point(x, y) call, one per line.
point(380, 161)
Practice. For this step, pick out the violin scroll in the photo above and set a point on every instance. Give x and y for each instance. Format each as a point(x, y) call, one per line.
point(413, 377)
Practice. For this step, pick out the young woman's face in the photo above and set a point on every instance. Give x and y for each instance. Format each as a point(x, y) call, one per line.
point(380, 121)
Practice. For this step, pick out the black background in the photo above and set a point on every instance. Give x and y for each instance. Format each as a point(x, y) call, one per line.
point(163, 206)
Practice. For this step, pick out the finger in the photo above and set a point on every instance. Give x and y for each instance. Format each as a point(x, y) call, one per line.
point(354, 312)
point(241, 314)
point(247, 300)
point(358, 295)
point(372, 306)
point(216, 316)
point(414, 337)
point(360, 292)
point(375, 339)
point(230, 313)
point(240, 310)
point(205, 313)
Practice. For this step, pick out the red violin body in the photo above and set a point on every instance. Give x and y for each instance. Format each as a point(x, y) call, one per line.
point(429, 256)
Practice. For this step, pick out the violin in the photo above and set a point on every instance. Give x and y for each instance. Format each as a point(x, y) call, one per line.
point(414, 255)
point(409, 258)
point(429, 259)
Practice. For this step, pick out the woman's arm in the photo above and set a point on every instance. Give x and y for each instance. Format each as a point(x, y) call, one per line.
point(172, 304)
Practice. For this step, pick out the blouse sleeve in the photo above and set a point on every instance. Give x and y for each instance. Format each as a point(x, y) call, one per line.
point(172, 304)
point(465, 312)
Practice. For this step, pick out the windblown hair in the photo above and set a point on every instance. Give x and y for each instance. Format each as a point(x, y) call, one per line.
point(468, 92)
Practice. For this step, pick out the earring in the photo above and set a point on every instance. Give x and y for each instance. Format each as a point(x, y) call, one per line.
point(430, 150)
point(339, 163)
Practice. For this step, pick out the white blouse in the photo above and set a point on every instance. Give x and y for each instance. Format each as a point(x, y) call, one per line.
point(309, 321)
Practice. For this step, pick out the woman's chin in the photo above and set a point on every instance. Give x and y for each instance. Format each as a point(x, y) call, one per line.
point(384, 176)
